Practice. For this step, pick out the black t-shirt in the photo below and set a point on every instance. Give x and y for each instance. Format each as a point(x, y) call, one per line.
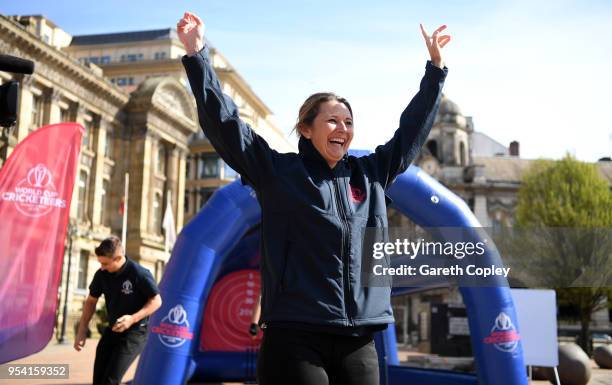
point(126, 291)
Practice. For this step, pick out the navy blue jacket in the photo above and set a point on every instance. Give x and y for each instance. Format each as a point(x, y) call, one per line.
point(313, 216)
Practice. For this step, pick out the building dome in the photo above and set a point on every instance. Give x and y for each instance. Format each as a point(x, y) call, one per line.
point(449, 113)
point(447, 106)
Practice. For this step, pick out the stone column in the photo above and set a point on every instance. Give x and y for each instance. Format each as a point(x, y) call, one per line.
point(145, 172)
point(26, 102)
point(52, 108)
point(85, 162)
point(79, 117)
point(97, 172)
point(180, 190)
point(77, 113)
point(480, 210)
point(172, 173)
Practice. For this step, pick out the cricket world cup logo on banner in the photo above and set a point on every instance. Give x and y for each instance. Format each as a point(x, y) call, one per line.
point(173, 329)
point(35, 195)
point(503, 334)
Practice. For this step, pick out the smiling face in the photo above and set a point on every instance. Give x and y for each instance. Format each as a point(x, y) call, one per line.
point(331, 131)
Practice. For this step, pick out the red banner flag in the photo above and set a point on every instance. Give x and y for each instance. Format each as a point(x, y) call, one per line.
point(36, 185)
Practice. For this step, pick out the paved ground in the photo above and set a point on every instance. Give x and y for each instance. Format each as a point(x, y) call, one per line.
point(81, 366)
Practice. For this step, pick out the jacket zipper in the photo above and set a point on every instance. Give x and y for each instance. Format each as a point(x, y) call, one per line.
point(343, 255)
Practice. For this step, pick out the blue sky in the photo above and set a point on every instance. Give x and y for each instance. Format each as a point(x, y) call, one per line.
point(532, 71)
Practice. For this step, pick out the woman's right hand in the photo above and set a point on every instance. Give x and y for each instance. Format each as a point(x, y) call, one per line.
point(190, 32)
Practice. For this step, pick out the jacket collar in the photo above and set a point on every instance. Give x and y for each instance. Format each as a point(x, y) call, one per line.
point(308, 151)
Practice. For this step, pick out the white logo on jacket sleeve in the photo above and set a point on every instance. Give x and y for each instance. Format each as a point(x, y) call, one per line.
point(126, 287)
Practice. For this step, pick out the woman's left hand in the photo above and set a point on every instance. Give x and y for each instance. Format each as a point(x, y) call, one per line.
point(435, 43)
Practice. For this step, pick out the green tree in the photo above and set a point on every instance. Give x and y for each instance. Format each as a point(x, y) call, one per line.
point(569, 206)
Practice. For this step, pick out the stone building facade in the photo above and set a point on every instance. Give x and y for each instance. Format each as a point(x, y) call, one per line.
point(147, 128)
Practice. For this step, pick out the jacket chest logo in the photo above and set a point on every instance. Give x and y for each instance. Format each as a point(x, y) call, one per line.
point(357, 194)
point(126, 287)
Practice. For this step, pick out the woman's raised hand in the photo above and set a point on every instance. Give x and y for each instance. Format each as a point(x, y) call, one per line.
point(435, 43)
point(190, 32)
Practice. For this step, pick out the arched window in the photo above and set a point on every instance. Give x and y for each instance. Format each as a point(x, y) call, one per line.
point(88, 125)
point(83, 191)
point(82, 269)
point(432, 146)
point(108, 145)
point(161, 159)
point(104, 204)
point(37, 111)
point(156, 213)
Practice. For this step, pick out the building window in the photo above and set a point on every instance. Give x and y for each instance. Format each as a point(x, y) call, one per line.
point(188, 167)
point(462, 160)
point(160, 162)
point(123, 81)
point(65, 115)
point(209, 166)
point(87, 135)
point(96, 60)
point(205, 194)
point(432, 146)
point(104, 203)
point(108, 145)
point(37, 112)
point(228, 172)
point(82, 270)
point(186, 202)
point(160, 55)
point(156, 213)
point(132, 57)
point(82, 202)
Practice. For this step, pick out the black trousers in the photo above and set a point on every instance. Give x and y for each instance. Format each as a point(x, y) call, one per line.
point(298, 357)
point(115, 353)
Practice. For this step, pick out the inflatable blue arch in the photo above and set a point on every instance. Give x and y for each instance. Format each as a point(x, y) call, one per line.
point(212, 278)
